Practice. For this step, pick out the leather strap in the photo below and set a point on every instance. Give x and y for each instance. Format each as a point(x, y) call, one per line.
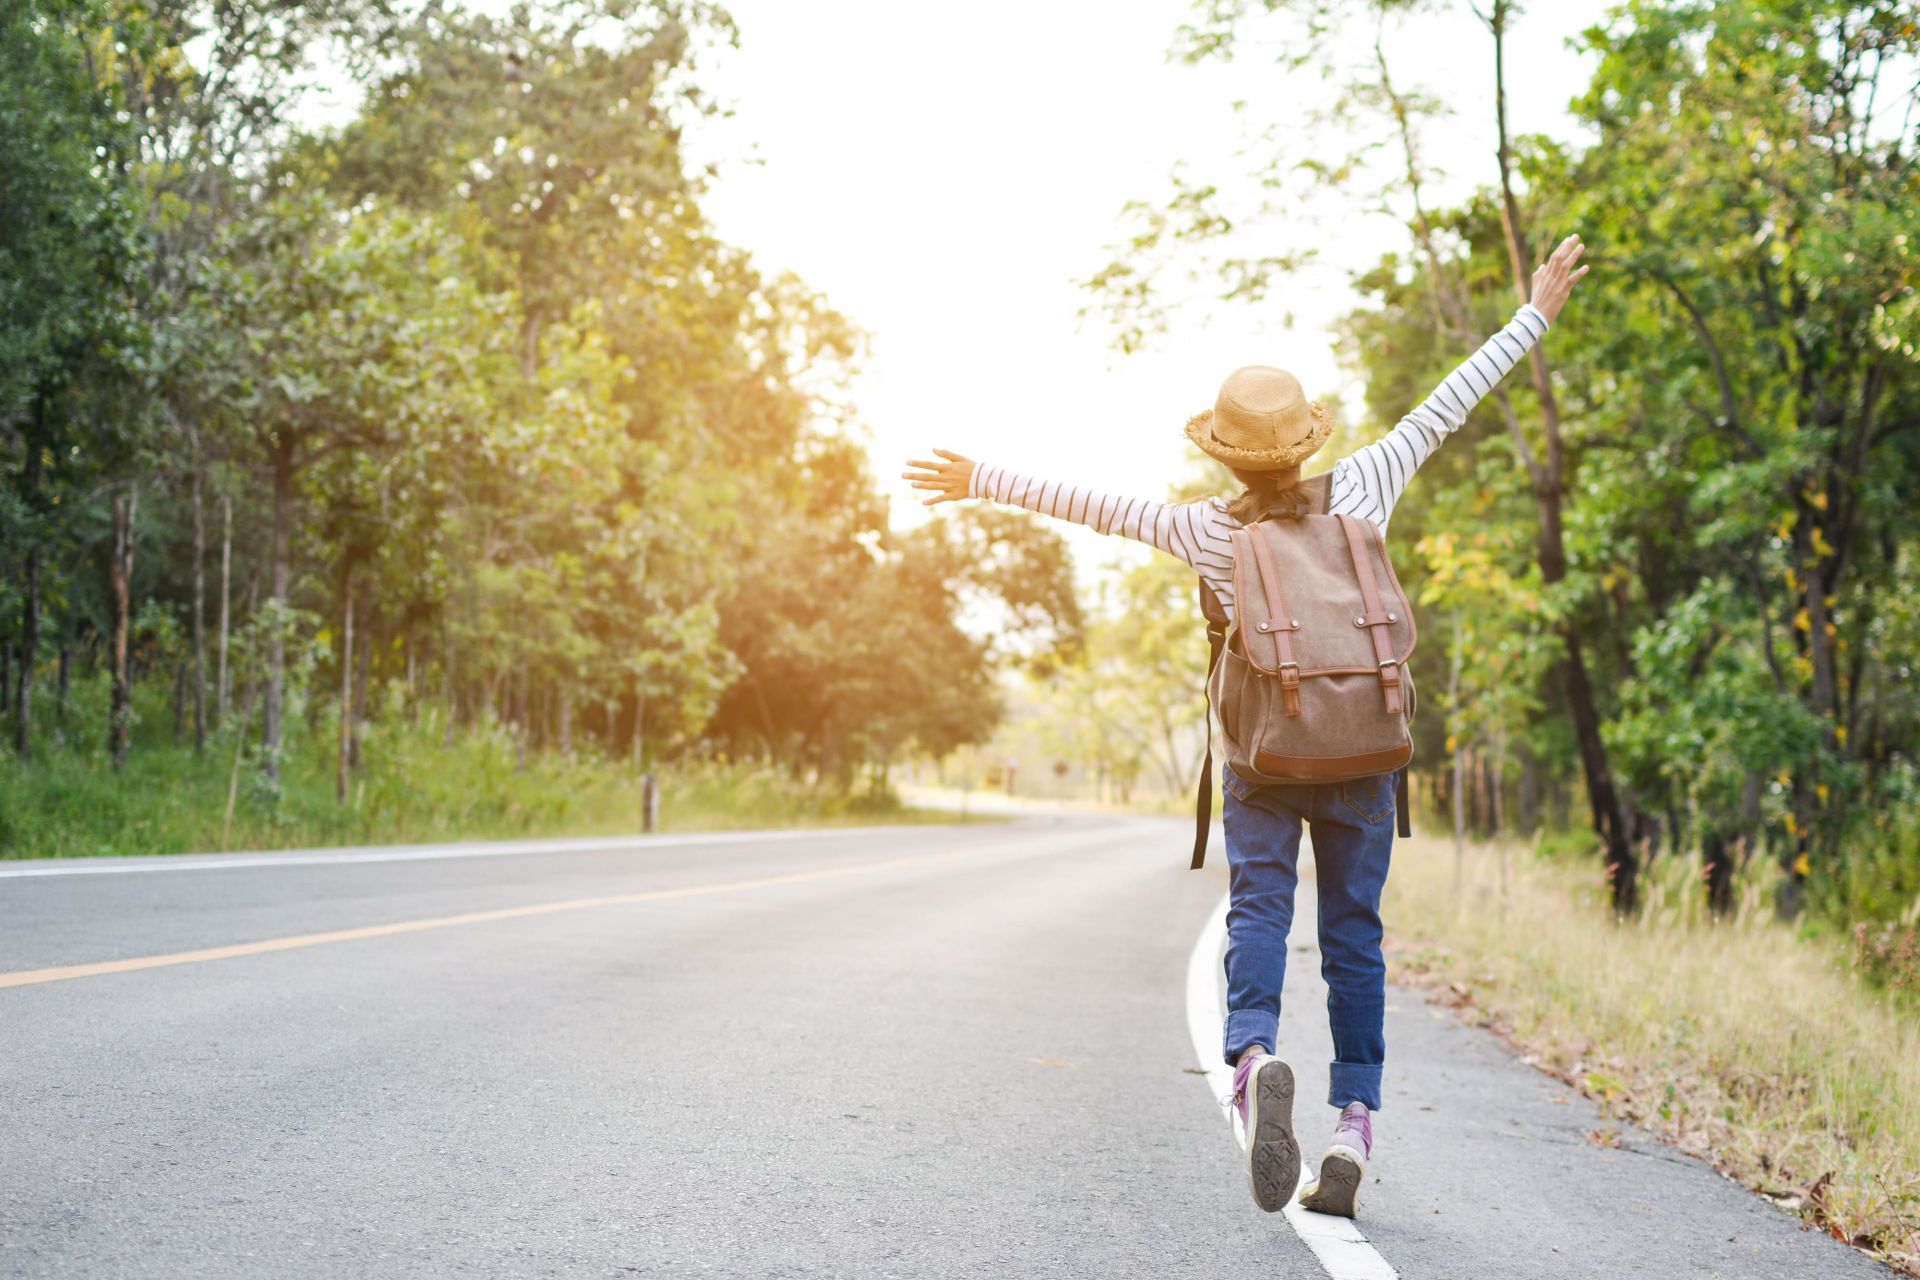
point(1280, 624)
point(1216, 643)
point(1376, 619)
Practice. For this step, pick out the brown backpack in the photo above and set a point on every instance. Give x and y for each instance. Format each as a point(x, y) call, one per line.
point(1310, 678)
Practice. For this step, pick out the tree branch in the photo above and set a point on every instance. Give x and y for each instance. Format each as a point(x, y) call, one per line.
point(1729, 405)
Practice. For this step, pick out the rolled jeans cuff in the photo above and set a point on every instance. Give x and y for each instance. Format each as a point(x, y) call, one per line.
point(1353, 1082)
point(1248, 1027)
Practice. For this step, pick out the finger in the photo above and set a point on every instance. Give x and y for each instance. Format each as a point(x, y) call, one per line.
point(1574, 278)
point(925, 465)
point(949, 456)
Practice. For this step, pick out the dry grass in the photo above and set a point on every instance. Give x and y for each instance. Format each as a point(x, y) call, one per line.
point(1746, 1043)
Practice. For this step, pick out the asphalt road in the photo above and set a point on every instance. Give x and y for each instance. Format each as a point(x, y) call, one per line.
point(946, 1051)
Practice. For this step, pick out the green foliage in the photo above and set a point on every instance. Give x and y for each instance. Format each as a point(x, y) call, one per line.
point(502, 429)
point(414, 789)
point(1130, 702)
point(1737, 403)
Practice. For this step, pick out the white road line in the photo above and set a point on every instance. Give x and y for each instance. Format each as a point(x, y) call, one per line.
point(426, 852)
point(1342, 1250)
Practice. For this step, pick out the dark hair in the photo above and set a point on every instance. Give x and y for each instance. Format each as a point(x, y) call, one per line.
point(1264, 491)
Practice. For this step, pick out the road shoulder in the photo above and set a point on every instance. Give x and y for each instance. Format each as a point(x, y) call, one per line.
point(1485, 1167)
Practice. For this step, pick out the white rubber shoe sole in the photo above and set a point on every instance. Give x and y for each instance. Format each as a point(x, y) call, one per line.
point(1273, 1153)
point(1337, 1189)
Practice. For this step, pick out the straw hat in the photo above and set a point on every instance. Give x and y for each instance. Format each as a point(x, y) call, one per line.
point(1261, 421)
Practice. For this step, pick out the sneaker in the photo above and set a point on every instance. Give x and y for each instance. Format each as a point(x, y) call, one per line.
point(1344, 1166)
point(1263, 1095)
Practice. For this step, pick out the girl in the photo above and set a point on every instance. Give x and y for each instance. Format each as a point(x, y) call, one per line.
point(1263, 428)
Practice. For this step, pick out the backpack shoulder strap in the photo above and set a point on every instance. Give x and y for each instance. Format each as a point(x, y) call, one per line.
point(1211, 608)
point(1217, 623)
point(1374, 617)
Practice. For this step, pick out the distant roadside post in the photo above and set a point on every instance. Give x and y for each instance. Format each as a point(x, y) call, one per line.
point(649, 803)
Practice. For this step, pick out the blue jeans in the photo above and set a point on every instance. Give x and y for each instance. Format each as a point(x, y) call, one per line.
point(1353, 826)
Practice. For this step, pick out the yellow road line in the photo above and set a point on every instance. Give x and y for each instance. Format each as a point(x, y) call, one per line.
point(33, 977)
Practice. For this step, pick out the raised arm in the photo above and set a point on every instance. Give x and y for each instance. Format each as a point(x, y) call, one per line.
point(1185, 530)
point(1369, 482)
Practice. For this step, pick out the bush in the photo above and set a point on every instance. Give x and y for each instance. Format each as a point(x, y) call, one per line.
point(411, 787)
point(1889, 955)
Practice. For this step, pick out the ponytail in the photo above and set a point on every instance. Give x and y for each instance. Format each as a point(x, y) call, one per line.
point(1265, 490)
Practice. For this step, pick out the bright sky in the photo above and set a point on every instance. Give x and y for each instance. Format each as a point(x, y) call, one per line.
point(943, 174)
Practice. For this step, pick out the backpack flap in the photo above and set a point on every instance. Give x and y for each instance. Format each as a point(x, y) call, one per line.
point(1322, 632)
point(1317, 612)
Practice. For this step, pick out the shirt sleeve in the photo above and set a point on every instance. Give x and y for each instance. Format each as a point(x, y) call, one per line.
point(1196, 533)
point(1368, 482)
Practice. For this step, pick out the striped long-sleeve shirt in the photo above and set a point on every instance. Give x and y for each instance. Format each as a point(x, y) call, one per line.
point(1366, 483)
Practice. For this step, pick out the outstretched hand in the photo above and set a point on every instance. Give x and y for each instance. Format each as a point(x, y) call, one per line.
point(949, 479)
point(1555, 278)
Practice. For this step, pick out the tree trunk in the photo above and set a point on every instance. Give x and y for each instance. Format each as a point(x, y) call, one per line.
point(199, 615)
point(1549, 489)
point(1717, 857)
point(1622, 870)
point(233, 778)
point(223, 690)
point(525, 727)
point(1529, 791)
point(362, 676)
point(273, 703)
point(1496, 783)
point(1459, 788)
point(346, 686)
point(639, 727)
point(66, 682)
point(565, 695)
point(29, 651)
point(453, 695)
point(126, 504)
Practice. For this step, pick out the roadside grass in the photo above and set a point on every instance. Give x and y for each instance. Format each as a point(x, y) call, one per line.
point(1748, 1042)
point(410, 789)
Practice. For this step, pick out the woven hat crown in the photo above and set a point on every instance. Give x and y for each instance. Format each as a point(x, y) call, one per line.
point(1261, 408)
point(1261, 421)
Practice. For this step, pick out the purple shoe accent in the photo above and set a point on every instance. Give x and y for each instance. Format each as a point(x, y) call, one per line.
point(1336, 1190)
point(1355, 1129)
point(1248, 1061)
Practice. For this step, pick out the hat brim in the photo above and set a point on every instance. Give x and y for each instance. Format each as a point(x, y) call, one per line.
point(1200, 431)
